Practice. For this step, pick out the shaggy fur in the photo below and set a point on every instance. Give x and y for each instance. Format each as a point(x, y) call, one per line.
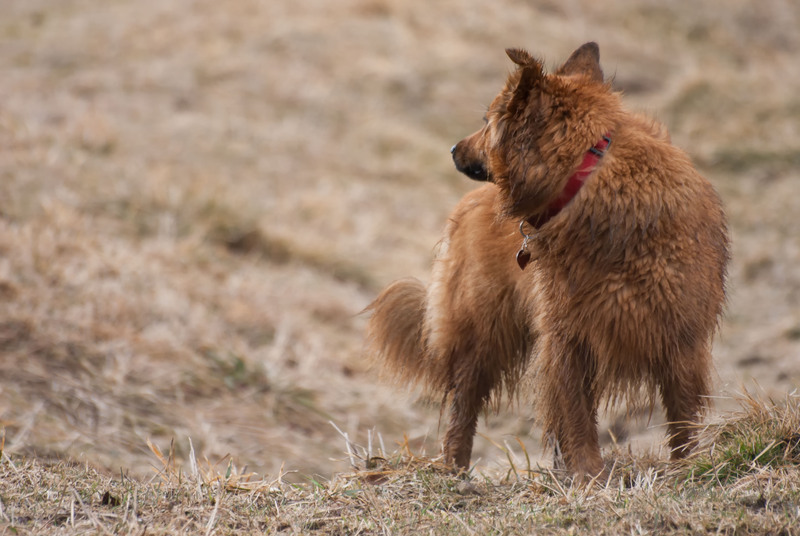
point(625, 285)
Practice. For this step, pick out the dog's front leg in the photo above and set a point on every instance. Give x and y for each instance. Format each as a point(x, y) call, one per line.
point(569, 406)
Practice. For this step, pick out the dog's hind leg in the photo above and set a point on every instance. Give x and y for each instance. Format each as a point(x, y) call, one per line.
point(468, 398)
point(466, 406)
point(487, 359)
point(684, 388)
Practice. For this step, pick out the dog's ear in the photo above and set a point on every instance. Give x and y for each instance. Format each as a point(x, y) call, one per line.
point(586, 61)
point(519, 56)
point(531, 76)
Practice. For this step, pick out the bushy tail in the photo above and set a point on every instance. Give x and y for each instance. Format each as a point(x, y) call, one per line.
point(395, 337)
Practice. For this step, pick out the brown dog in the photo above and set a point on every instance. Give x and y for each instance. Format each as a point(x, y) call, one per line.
point(614, 290)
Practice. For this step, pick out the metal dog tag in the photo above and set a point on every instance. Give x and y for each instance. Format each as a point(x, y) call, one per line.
point(523, 255)
point(523, 258)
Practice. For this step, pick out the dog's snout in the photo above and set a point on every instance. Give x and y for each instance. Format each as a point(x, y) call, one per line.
point(467, 163)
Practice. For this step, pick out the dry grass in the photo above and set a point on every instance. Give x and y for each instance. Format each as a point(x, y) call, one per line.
point(406, 494)
point(196, 201)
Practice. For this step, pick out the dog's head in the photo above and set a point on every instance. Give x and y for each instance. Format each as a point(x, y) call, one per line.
point(538, 128)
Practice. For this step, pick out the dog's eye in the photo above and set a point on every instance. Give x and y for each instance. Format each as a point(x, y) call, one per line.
point(485, 120)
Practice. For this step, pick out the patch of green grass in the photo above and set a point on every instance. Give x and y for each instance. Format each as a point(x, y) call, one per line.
point(764, 437)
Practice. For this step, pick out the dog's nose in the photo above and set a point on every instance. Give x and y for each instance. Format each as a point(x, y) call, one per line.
point(453, 149)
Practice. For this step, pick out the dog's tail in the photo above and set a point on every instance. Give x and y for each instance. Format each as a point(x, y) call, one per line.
point(395, 332)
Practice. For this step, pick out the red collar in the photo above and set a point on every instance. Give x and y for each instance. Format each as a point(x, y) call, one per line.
point(575, 182)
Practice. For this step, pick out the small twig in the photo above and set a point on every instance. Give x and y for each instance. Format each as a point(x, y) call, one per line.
point(193, 460)
point(10, 463)
point(383, 447)
point(510, 456)
point(212, 519)
point(611, 474)
point(527, 457)
point(557, 483)
point(198, 477)
point(348, 443)
point(771, 444)
point(127, 509)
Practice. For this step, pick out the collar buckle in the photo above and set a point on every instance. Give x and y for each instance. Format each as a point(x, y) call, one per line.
point(600, 148)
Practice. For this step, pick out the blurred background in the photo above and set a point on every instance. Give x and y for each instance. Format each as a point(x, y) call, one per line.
point(198, 198)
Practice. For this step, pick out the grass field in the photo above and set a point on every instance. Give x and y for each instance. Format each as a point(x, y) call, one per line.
point(197, 199)
point(744, 479)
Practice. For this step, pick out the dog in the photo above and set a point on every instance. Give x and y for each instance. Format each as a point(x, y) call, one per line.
point(589, 270)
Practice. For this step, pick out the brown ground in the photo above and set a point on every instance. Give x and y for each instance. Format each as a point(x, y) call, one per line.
point(197, 198)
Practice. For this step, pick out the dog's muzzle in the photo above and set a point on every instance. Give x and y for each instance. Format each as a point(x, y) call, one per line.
point(474, 169)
